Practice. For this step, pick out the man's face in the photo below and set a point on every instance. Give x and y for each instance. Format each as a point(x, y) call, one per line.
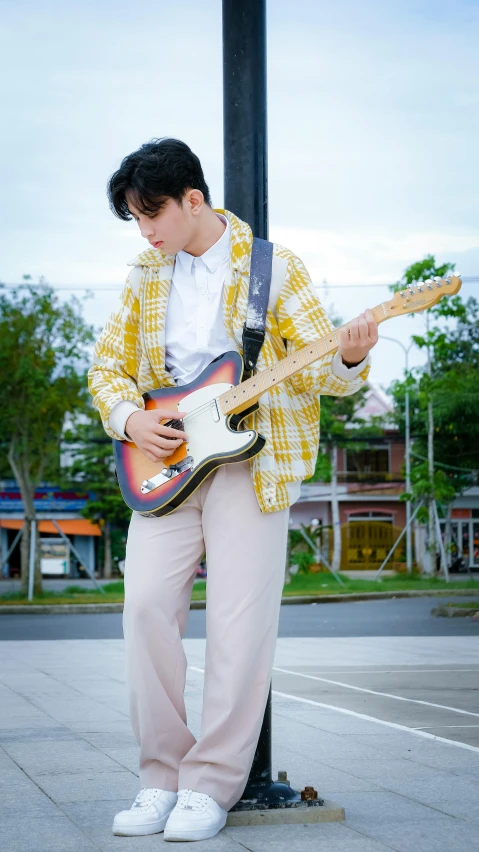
point(172, 229)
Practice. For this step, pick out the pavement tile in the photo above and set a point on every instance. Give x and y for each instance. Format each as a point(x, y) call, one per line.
point(383, 806)
point(88, 786)
point(69, 710)
point(320, 837)
point(424, 836)
point(37, 734)
point(100, 725)
point(34, 833)
point(63, 757)
point(110, 739)
point(33, 718)
point(95, 820)
point(326, 779)
point(128, 757)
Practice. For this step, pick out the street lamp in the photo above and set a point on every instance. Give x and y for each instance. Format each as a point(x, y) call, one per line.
point(408, 450)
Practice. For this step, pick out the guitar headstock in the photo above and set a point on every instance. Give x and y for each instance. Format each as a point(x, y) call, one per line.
point(424, 294)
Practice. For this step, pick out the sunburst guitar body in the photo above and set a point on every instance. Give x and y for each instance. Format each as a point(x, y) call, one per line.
point(157, 488)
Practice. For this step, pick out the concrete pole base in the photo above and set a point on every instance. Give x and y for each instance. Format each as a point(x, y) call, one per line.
point(300, 814)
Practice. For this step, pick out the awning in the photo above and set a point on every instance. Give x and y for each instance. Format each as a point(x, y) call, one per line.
point(77, 526)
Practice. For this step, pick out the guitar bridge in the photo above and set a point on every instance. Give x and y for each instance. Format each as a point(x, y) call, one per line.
point(167, 473)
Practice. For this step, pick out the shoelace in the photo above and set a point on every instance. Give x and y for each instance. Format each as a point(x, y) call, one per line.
point(192, 800)
point(145, 797)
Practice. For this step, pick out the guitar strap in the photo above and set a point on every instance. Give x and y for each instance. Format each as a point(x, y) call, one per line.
point(258, 297)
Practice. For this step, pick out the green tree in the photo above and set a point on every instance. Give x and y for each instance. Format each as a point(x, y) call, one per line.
point(43, 359)
point(92, 465)
point(444, 402)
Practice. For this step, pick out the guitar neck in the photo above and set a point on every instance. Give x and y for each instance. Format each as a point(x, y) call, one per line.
point(248, 393)
point(417, 297)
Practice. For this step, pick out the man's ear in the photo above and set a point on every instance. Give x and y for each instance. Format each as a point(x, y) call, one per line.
point(195, 199)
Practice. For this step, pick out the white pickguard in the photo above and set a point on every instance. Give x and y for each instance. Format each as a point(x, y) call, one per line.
point(207, 430)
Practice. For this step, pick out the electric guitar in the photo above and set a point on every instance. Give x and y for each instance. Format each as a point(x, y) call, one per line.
point(217, 402)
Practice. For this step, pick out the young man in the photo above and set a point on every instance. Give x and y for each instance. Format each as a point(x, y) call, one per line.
point(183, 304)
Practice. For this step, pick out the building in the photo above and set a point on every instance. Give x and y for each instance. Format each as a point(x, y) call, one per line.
point(53, 506)
point(370, 483)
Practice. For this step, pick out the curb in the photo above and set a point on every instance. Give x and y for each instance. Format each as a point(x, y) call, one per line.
point(286, 599)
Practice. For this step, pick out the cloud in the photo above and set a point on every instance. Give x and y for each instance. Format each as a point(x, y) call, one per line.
point(368, 255)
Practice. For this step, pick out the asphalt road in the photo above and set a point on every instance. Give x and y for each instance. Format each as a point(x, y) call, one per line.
point(402, 617)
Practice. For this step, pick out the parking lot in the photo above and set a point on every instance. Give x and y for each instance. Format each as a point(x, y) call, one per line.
point(375, 704)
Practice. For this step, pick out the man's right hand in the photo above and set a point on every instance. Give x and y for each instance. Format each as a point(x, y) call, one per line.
point(155, 441)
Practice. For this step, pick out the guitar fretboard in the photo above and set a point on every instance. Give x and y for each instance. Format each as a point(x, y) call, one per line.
point(247, 393)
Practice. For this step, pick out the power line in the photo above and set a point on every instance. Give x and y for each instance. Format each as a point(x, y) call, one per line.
point(473, 470)
point(81, 288)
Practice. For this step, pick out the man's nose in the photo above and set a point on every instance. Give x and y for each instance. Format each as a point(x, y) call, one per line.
point(147, 230)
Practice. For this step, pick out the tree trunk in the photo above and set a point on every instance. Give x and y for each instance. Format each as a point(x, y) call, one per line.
point(336, 564)
point(287, 573)
point(448, 535)
point(432, 543)
point(27, 492)
point(430, 562)
point(107, 557)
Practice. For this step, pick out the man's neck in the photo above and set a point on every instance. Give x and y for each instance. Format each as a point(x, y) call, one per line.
point(210, 229)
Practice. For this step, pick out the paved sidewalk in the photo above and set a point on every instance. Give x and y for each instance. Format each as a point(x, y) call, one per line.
point(68, 760)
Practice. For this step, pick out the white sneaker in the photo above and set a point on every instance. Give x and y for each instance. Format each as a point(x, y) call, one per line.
point(148, 813)
point(196, 817)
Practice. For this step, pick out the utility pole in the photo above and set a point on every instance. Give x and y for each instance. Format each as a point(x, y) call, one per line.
point(246, 195)
point(431, 562)
point(336, 562)
point(407, 451)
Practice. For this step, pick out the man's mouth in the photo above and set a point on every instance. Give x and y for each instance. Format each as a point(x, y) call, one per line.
point(158, 244)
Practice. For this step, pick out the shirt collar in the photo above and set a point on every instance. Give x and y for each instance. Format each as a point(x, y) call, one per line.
point(212, 257)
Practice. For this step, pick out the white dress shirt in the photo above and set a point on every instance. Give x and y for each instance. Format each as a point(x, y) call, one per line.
point(195, 333)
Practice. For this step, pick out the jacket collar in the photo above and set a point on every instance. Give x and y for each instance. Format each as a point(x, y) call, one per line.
point(240, 249)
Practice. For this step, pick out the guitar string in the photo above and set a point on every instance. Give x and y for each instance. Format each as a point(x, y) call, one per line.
point(197, 411)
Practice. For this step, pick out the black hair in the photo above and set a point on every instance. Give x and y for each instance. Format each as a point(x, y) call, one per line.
point(159, 170)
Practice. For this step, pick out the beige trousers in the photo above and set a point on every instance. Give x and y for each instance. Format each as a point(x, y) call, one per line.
point(246, 559)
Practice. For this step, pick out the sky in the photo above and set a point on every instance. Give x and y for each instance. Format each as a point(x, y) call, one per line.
point(373, 129)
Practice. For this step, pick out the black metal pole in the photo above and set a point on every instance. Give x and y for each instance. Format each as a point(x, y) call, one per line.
point(246, 195)
point(244, 111)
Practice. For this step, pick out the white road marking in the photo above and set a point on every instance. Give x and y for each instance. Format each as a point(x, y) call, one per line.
point(428, 727)
point(375, 692)
point(438, 670)
point(394, 725)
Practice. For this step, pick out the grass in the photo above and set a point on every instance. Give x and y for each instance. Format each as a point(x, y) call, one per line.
point(325, 584)
point(467, 605)
point(301, 584)
point(114, 593)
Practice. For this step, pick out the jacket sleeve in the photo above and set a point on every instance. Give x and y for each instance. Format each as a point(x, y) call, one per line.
point(302, 320)
point(116, 356)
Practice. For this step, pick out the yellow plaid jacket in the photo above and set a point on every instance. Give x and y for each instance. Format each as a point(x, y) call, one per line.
point(129, 359)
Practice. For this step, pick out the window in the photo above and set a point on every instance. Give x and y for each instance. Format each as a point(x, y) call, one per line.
point(370, 460)
point(370, 516)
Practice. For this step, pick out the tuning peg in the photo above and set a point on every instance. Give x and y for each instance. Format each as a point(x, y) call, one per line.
point(458, 275)
point(428, 283)
point(420, 287)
